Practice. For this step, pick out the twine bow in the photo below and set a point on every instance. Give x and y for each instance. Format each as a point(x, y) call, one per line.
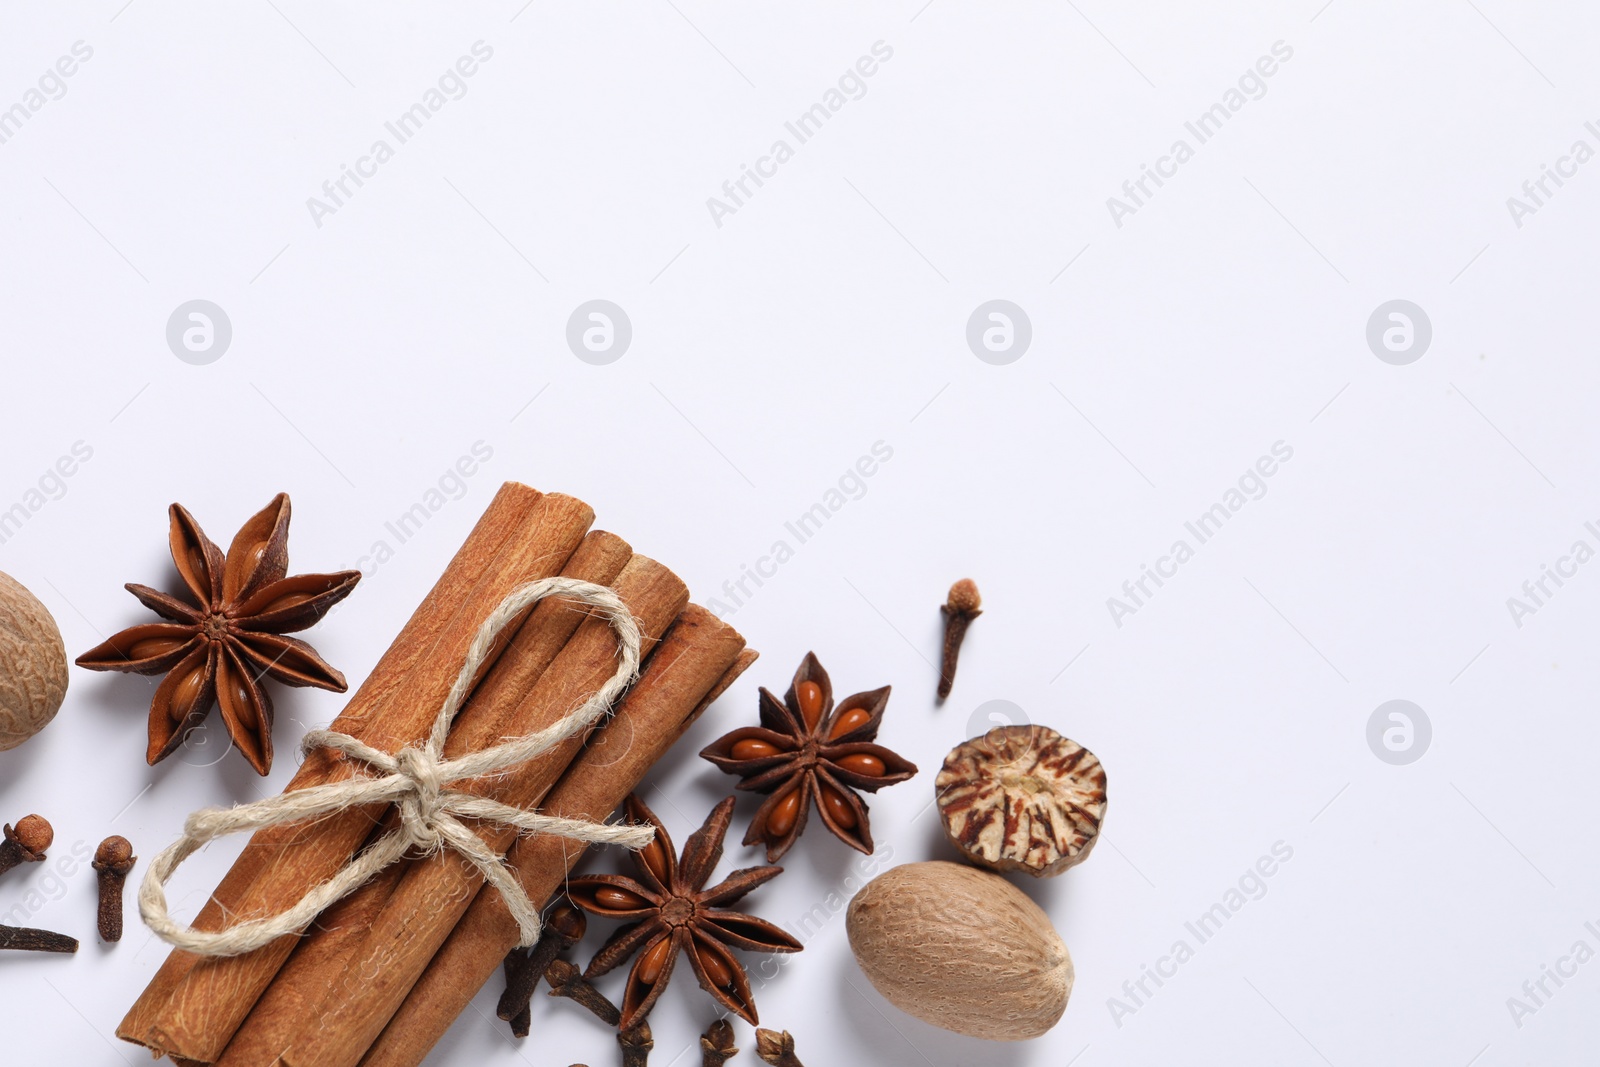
point(416, 780)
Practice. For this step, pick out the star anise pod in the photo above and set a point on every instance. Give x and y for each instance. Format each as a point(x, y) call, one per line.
point(225, 632)
point(807, 750)
point(674, 914)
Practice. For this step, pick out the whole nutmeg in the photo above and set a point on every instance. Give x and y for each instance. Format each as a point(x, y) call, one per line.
point(33, 664)
point(962, 949)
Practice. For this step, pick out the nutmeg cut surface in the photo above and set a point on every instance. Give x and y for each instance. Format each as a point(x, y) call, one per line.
point(1022, 798)
point(33, 664)
point(962, 949)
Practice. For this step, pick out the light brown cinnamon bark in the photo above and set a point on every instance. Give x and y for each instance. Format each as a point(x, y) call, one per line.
point(435, 891)
point(596, 783)
point(326, 950)
point(194, 1005)
point(514, 508)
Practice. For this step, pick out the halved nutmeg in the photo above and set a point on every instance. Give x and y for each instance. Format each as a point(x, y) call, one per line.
point(1022, 798)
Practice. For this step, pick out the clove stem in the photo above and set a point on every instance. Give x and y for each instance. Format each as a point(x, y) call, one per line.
point(959, 609)
point(25, 940)
point(112, 862)
point(524, 967)
point(566, 981)
point(522, 1019)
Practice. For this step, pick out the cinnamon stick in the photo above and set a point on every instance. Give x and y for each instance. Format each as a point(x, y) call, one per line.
point(195, 1004)
point(515, 507)
point(435, 891)
point(326, 950)
point(682, 682)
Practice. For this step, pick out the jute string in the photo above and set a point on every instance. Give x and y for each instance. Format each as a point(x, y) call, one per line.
point(416, 780)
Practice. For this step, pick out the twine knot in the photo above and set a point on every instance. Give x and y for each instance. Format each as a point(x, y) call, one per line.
point(417, 781)
point(421, 802)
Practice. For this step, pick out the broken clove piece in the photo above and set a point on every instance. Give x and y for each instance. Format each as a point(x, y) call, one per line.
point(25, 940)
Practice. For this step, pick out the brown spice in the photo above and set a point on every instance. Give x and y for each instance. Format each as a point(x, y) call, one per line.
point(716, 1045)
point(636, 1042)
point(962, 949)
point(33, 682)
point(25, 940)
point(705, 655)
point(194, 1004)
point(1022, 798)
point(566, 981)
point(563, 928)
point(807, 750)
point(225, 632)
point(960, 608)
point(671, 912)
point(27, 843)
point(437, 890)
point(776, 1048)
point(112, 862)
point(521, 1019)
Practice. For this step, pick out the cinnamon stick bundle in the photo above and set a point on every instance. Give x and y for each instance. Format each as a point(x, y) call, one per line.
point(324, 953)
point(616, 760)
point(194, 1005)
point(436, 890)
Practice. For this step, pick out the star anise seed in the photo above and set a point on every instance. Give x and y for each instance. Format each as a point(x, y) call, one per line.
point(674, 914)
point(807, 751)
point(225, 632)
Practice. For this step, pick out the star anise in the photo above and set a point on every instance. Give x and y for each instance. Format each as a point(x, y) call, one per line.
point(807, 750)
point(675, 914)
point(226, 632)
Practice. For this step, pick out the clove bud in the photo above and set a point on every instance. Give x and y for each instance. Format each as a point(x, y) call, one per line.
point(26, 843)
point(960, 608)
point(716, 1046)
point(636, 1042)
point(776, 1048)
point(112, 862)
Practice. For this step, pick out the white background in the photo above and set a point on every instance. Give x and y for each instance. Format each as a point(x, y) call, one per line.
point(828, 313)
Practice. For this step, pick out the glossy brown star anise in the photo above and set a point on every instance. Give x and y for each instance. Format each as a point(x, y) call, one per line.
point(226, 632)
point(674, 914)
point(807, 750)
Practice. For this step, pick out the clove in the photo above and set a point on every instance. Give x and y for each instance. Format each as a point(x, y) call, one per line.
point(636, 1043)
point(524, 967)
point(112, 862)
point(25, 940)
point(716, 1046)
point(26, 843)
point(566, 981)
point(776, 1049)
point(522, 1019)
point(960, 608)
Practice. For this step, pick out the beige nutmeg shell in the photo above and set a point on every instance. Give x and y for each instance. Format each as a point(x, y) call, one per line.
point(33, 664)
point(962, 949)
